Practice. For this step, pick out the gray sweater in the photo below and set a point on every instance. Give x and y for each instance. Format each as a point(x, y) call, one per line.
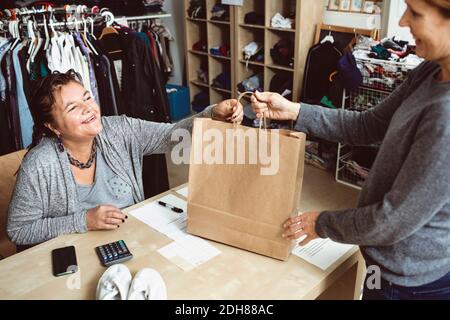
point(45, 202)
point(402, 222)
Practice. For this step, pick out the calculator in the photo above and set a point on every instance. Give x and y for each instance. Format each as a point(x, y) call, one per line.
point(114, 252)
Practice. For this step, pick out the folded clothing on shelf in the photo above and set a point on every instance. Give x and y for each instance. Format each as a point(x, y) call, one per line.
point(253, 51)
point(200, 46)
point(201, 101)
point(253, 83)
point(223, 81)
point(222, 50)
point(282, 83)
point(196, 9)
point(254, 18)
point(278, 21)
point(202, 75)
point(220, 12)
point(283, 53)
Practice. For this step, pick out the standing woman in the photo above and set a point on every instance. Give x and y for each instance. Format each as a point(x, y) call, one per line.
point(82, 169)
point(402, 223)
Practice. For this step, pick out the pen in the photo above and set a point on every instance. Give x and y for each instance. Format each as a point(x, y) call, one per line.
point(175, 209)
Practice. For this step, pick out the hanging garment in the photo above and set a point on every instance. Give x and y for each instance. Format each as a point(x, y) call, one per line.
point(4, 47)
point(92, 79)
point(282, 53)
point(143, 96)
point(6, 145)
point(6, 138)
point(143, 90)
point(26, 120)
point(321, 63)
point(26, 83)
point(8, 72)
point(39, 68)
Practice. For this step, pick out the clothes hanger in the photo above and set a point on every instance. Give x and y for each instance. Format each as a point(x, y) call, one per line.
point(47, 35)
point(86, 40)
point(16, 32)
point(108, 30)
point(31, 36)
point(328, 38)
point(84, 26)
point(36, 42)
point(10, 29)
point(52, 25)
point(38, 47)
point(92, 27)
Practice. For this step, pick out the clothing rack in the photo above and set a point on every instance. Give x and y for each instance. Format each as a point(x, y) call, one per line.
point(148, 17)
point(75, 16)
point(29, 12)
point(68, 9)
point(65, 24)
point(125, 74)
point(85, 11)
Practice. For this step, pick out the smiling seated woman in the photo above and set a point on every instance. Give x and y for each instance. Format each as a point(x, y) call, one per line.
point(82, 168)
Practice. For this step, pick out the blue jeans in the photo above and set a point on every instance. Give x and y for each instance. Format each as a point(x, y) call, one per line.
point(437, 290)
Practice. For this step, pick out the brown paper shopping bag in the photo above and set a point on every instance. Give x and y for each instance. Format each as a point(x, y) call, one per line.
point(244, 203)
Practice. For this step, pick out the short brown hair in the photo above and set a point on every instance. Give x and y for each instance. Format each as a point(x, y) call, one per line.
point(442, 5)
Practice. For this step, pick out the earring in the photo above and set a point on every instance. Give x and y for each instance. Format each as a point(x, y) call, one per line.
point(60, 144)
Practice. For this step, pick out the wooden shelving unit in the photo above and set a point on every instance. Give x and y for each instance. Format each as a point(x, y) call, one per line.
point(213, 33)
point(308, 14)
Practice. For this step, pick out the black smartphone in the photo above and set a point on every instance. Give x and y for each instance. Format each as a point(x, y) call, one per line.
point(64, 261)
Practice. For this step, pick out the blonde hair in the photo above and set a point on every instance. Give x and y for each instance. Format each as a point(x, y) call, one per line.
point(442, 5)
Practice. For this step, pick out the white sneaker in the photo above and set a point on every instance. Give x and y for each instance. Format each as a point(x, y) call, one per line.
point(147, 285)
point(114, 283)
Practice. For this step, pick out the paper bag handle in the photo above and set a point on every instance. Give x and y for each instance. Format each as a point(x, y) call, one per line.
point(243, 94)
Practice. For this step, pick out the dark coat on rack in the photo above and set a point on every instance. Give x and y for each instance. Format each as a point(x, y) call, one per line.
point(142, 96)
point(143, 86)
point(321, 62)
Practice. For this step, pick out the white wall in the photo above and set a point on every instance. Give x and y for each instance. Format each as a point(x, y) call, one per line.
point(351, 20)
point(395, 10)
point(176, 27)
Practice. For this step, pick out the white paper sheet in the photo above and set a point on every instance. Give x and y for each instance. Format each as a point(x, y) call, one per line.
point(163, 219)
point(186, 251)
point(189, 252)
point(322, 252)
point(183, 192)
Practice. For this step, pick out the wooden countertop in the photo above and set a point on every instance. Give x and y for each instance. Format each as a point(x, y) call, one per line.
point(235, 274)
